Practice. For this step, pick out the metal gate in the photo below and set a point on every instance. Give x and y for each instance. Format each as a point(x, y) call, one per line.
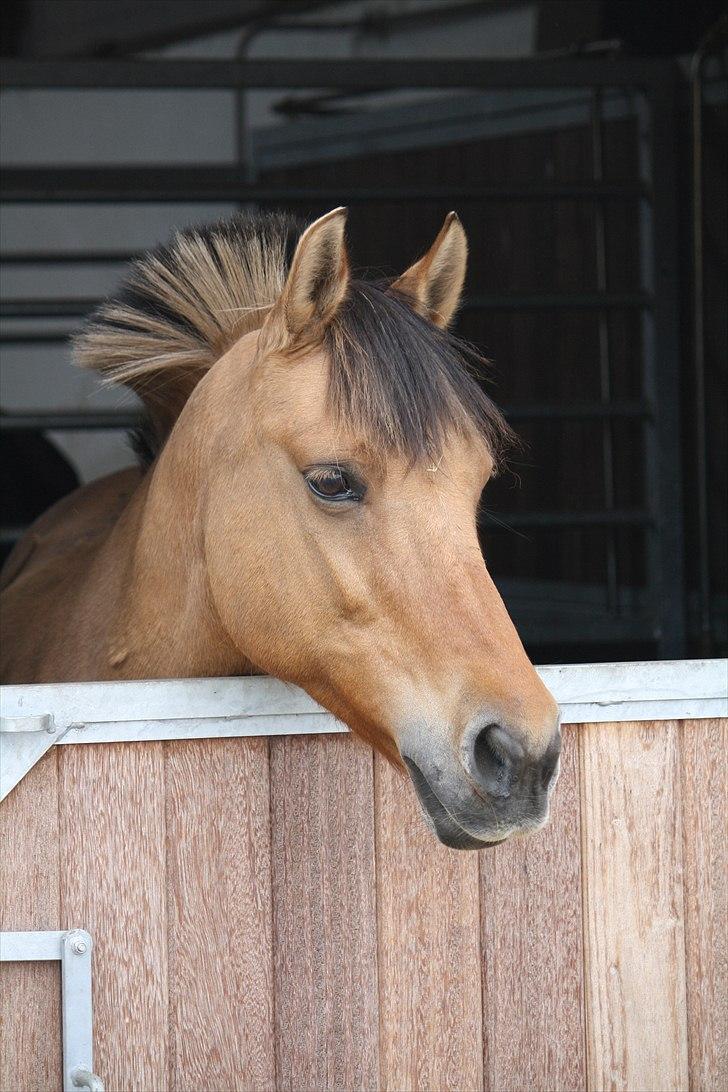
point(615, 611)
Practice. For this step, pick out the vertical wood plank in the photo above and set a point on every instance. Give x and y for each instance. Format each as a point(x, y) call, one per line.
point(533, 989)
point(113, 884)
point(220, 947)
point(634, 935)
point(324, 914)
point(429, 950)
point(704, 770)
point(30, 993)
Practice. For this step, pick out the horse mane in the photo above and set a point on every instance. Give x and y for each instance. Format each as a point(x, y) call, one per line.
point(394, 375)
point(183, 305)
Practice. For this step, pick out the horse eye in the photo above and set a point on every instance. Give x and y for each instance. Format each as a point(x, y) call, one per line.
point(333, 484)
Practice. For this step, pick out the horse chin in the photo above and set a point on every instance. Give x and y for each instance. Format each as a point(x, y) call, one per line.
point(438, 818)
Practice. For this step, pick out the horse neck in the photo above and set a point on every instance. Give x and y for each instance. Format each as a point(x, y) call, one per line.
point(166, 622)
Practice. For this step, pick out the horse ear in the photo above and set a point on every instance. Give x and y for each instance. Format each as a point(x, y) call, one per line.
point(317, 281)
point(435, 282)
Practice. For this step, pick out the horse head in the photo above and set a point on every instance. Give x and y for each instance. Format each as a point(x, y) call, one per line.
point(348, 450)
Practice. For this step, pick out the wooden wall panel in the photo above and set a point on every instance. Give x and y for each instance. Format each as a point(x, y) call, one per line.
point(634, 936)
point(219, 906)
point(113, 884)
point(704, 772)
point(533, 990)
point(30, 993)
point(429, 950)
point(324, 913)
point(319, 938)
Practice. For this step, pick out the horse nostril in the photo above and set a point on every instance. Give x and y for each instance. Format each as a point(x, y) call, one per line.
point(497, 759)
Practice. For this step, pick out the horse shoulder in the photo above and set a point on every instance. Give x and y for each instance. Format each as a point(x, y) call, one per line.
point(45, 574)
point(85, 514)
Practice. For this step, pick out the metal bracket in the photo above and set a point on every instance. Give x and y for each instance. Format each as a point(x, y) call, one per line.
point(23, 741)
point(73, 949)
point(15, 725)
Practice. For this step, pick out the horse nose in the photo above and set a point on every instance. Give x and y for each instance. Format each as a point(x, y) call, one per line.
point(499, 760)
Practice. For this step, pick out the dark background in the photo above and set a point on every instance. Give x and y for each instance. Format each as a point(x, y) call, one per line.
point(608, 535)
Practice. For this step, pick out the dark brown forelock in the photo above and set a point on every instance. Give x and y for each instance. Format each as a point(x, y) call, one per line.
point(403, 383)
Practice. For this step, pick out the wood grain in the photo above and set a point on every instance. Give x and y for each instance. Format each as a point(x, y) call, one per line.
point(429, 950)
point(634, 935)
point(113, 884)
point(30, 994)
point(704, 771)
point(219, 900)
point(533, 990)
point(324, 914)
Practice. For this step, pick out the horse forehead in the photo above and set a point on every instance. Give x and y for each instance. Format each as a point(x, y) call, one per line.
point(303, 377)
point(295, 390)
point(299, 410)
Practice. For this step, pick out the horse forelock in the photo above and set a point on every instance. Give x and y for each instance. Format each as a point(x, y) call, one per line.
point(404, 383)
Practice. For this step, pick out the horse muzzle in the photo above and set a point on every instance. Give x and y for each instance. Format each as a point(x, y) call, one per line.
point(493, 788)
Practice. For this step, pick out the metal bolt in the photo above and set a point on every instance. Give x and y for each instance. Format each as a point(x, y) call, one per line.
point(79, 945)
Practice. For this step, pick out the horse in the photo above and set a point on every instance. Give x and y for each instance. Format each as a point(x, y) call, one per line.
point(317, 447)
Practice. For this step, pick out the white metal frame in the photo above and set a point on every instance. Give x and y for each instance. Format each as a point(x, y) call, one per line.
point(73, 949)
point(35, 717)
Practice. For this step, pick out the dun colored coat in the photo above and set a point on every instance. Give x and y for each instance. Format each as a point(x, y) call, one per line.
point(318, 450)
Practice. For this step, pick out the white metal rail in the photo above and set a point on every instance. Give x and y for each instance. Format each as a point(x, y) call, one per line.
point(35, 717)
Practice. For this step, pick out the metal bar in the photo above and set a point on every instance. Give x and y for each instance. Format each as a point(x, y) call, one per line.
point(502, 302)
point(229, 183)
point(614, 517)
point(576, 411)
point(244, 142)
point(64, 420)
point(650, 470)
point(349, 74)
point(78, 420)
point(573, 301)
point(149, 699)
point(27, 947)
point(705, 623)
point(628, 708)
point(169, 700)
point(14, 309)
point(605, 369)
point(292, 724)
point(669, 547)
point(96, 705)
point(78, 1034)
point(28, 337)
point(158, 25)
point(67, 257)
point(576, 301)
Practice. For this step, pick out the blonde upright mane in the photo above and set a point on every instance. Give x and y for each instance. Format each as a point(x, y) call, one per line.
point(184, 305)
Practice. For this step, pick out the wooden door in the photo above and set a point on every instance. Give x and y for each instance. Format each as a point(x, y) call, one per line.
point(275, 915)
